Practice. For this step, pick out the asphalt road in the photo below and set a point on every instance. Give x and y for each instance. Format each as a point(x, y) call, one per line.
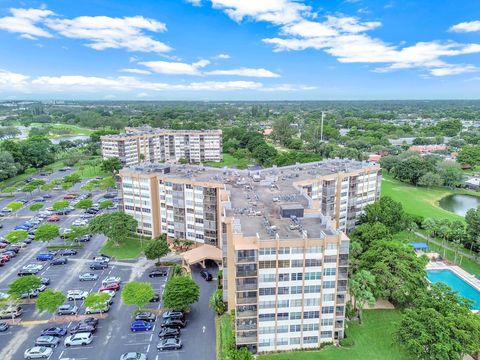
point(113, 337)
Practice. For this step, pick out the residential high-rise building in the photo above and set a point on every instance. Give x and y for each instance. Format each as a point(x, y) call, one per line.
point(146, 144)
point(280, 234)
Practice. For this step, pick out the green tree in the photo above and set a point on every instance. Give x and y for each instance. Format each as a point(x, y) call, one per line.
point(216, 302)
point(84, 204)
point(23, 285)
point(137, 293)
point(366, 234)
point(15, 236)
point(111, 165)
point(9, 190)
point(76, 232)
point(96, 300)
point(47, 232)
point(8, 166)
point(117, 226)
point(470, 154)
point(73, 178)
point(430, 179)
point(399, 272)
point(362, 286)
point(386, 211)
point(440, 326)
point(451, 173)
point(14, 206)
point(180, 292)
point(472, 219)
point(105, 204)
point(156, 249)
point(37, 151)
point(282, 129)
point(49, 300)
point(60, 205)
point(29, 188)
point(36, 207)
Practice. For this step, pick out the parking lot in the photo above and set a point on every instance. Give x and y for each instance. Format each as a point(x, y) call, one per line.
point(113, 336)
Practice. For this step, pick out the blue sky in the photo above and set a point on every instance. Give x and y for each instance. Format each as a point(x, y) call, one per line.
point(239, 49)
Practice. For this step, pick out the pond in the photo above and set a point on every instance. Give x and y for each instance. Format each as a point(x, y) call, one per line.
point(459, 203)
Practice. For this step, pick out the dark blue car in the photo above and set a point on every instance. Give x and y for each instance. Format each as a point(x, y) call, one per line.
point(54, 331)
point(45, 257)
point(140, 325)
point(22, 227)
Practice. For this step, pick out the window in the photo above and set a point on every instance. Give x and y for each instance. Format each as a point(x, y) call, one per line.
point(312, 289)
point(331, 246)
point(282, 329)
point(284, 250)
point(267, 264)
point(297, 276)
point(267, 251)
point(295, 315)
point(267, 291)
point(328, 297)
point(296, 290)
point(296, 302)
point(327, 310)
point(310, 327)
point(283, 290)
point(313, 276)
point(325, 334)
point(314, 250)
point(295, 341)
point(267, 277)
point(266, 330)
point(266, 304)
point(312, 302)
point(283, 277)
point(283, 303)
point(311, 314)
point(310, 339)
point(297, 263)
point(329, 271)
point(297, 250)
point(283, 263)
point(266, 317)
point(329, 284)
point(327, 322)
point(313, 262)
point(282, 316)
point(295, 328)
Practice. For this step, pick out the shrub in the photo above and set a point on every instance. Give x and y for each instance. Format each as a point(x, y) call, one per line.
point(347, 342)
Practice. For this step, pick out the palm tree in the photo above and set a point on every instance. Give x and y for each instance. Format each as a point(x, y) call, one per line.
point(361, 287)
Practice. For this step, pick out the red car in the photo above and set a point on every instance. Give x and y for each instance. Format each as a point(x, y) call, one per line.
point(112, 286)
point(53, 218)
point(69, 197)
point(5, 257)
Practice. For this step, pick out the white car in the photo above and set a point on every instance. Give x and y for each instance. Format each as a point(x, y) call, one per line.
point(35, 267)
point(101, 259)
point(110, 293)
point(111, 279)
point(76, 295)
point(79, 222)
point(82, 338)
point(38, 352)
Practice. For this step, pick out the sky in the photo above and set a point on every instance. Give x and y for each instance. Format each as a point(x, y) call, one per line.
point(239, 49)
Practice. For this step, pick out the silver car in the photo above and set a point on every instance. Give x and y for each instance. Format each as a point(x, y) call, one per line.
point(88, 277)
point(38, 352)
point(50, 341)
point(133, 356)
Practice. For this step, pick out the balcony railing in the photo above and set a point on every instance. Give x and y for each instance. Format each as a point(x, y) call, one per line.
point(243, 287)
point(243, 301)
point(246, 340)
point(247, 273)
point(246, 326)
point(246, 314)
point(249, 259)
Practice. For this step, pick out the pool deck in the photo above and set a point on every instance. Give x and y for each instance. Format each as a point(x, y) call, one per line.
point(464, 275)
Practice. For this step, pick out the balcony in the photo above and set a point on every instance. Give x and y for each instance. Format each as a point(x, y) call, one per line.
point(341, 288)
point(246, 327)
point(246, 340)
point(251, 273)
point(249, 259)
point(246, 314)
point(244, 287)
point(248, 300)
point(342, 275)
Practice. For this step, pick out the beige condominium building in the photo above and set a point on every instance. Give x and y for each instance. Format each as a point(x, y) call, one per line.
point(146, 144)
point(280, 234)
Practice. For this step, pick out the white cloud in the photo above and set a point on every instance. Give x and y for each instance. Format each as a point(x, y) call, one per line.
point(24, 22)
point(274, 11)
point(468, 26)
point(247, 72)
point(223, 56)
point(175, 68)
point(143, 95)
point(12, 80)
point(195, 2)
point(105, 32)
point(136, 71)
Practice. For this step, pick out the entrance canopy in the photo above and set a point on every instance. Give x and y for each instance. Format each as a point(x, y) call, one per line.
point(419, 246)
point(202, 253)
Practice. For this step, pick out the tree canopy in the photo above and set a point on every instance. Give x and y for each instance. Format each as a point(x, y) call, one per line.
point(180, 292)
point(15, 236)
point(47, 232)
point(156, 249)
point(23, 285)
point(49, 300)
point(137, 293)
point(117, 226)
point(388, 212)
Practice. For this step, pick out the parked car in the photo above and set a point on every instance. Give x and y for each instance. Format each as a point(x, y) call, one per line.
point(112, 286)
point(4, 326)
point(10, 311)
point(146, 316)
point(88, 277)
point(31, 294)
point(45, 257)
point(4, 258)
point(101, 259)
point(42, 288)
point(109, 195)
point(68, 252)
point(169, 344)
point(105, 309)
point(59, 261)
point(26, 272)
point(54, 331)
point(76, 295)
point(111, 279)
point(133, 356)
point(173, 314)
point(156, 298)
point(47, 196)
point(69, 197)
point(40, 199)
point(47, 340)
point(90, 320)
point(206, 275)
point(38, 352)
point(53, 218)
point(94, 265)
point(67, 310)
point(157, 273)
point(167, 333)
point(85, 238)
point(80, 222)
point(83, 338)
point(45, 281)
point(173, 323)
point(139, 325)
point(82, 327)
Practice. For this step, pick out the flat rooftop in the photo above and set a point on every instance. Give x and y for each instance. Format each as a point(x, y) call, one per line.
point(147, 130)
point(257, 196)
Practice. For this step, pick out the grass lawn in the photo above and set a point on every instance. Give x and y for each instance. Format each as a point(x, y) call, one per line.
point(466, 264)
point(230, 161)
point(224, 335)
point(90, 171)
point(373, 341)
point(419, 200)
point(72, 129)
point(131, 248)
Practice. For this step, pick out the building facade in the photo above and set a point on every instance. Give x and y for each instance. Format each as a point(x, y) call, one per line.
point(282, 232)
point(159, 145)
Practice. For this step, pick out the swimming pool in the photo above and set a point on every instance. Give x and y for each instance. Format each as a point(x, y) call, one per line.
point(456, 283)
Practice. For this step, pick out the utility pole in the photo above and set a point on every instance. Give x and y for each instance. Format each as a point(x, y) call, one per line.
point(321, 127)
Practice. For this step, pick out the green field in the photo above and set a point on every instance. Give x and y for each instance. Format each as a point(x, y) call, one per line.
point(230, 161)
point(373, 341)
point(71, 129)
point(420, 200)
point(129, 249)
point(224, 335)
